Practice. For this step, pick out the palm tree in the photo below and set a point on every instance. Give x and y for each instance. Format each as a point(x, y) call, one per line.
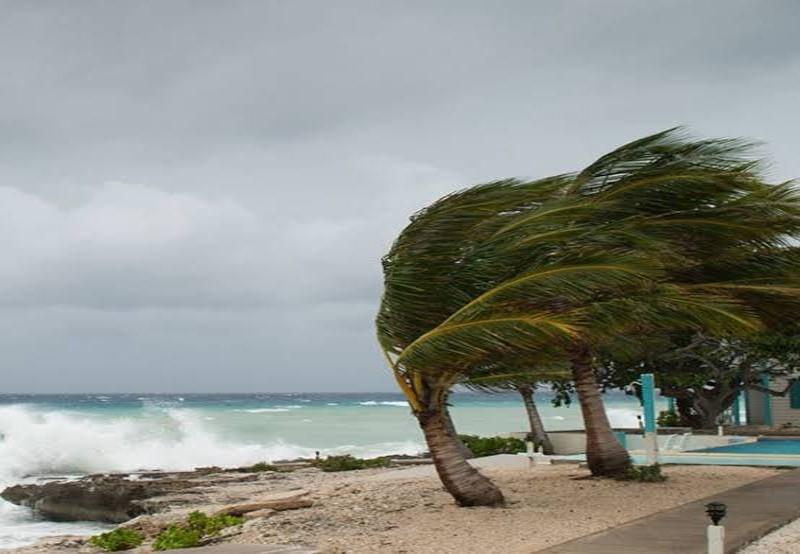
point(427, 278)
point(554, 269)
point(524, 381)
point(705, 200)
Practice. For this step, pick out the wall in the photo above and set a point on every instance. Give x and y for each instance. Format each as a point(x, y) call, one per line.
point(755, 407)
point(782, 411)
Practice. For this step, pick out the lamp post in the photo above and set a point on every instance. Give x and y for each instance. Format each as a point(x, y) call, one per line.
point(716, 532)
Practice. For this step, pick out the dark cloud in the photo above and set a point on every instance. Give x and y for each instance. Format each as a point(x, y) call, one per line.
point(197, 189)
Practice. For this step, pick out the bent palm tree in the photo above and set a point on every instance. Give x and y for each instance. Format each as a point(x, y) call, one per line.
point(706, 201)
point(504, 377)
point(552, 269)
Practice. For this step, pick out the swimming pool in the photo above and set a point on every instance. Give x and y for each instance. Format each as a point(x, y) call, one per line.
point(761, 446)
point(742, 451)
point(706, 458)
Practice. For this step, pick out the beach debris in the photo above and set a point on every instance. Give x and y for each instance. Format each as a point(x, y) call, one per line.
point(290, 500)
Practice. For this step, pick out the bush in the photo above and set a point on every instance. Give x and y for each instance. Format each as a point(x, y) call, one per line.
point(668, 418)
point(206, 525)
point(177, 536)
point(261, 466)
point(198, 525)
point(645, 474)
point(349, 463)
point(489, 446)
point(118, 539)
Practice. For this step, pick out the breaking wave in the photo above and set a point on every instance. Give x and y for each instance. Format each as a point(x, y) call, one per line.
point(59, 442)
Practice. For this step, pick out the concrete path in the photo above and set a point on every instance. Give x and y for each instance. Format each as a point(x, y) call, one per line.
point(754, 510)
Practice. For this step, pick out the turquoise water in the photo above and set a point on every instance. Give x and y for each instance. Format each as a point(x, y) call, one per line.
point(79, 434)
point(761, 446)
point(754, 460)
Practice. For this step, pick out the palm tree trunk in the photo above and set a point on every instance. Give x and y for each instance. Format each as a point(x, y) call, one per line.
point(467, 486)
point(451, 430)
point(604, 454)
point(534, 419)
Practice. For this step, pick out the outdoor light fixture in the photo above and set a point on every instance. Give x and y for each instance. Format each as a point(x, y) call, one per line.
point(716, 511)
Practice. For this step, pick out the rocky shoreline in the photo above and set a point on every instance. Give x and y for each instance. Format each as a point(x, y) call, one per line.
point(151, 501)
point(394, 509)
point(117, 498)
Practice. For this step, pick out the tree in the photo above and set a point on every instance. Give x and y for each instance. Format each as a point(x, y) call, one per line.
point(428, 276)
point(706, 374)
point(707, 203)
point(555, 269)
point(525, 382)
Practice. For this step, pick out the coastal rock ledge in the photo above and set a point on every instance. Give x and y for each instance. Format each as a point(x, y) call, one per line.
point(106, 498)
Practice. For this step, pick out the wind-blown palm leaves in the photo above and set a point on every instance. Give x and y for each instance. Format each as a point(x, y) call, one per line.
point(552, 269)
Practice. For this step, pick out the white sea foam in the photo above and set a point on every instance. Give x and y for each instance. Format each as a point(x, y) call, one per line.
point(399, 404)
point(42, 442)
point(59, 442)
point(623, 417)
point(37, 441)
point(263, 410)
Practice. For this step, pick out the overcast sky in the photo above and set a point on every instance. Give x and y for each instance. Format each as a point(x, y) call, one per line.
point(195, 196)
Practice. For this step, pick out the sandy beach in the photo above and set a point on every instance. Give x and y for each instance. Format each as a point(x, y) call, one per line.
point(406, 510)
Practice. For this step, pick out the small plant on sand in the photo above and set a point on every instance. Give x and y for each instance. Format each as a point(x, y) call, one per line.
point(347, 462)
point(645, 474)
point(118, 539)
point(198, 525)
point(489, 446)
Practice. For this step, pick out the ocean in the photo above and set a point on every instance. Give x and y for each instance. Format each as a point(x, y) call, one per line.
point(63, 435)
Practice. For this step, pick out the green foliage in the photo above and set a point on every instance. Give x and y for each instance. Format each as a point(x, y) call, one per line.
point(347, 462)
point(489, 446)
point(645, 474)
point(177, 536)
point(664, 234)
point(705, 373)
point(668, 418)
point(261, 466)
point(197, 526)
point(211, 525)
point(118, 539)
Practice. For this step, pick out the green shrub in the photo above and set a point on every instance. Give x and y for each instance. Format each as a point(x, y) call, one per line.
point(668, 418)
point(211, 525)
point(118, 539)
point(261, 466)
point(198, 525)
point(645, 474)
point(489, 446)
point(177, 536)
point(349, 463)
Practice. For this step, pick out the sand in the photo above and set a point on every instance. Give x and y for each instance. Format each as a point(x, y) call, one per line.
point(546, 505)
point(406, 510)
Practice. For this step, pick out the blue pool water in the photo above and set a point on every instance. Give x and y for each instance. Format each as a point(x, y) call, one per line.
point(762, 446)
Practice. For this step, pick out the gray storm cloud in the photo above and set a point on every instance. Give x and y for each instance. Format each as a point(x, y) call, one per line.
point(194, 196)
